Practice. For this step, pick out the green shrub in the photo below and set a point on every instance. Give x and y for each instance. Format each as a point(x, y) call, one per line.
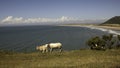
point(96, 43)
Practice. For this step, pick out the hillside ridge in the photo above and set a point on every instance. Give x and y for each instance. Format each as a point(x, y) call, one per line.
point(113, 20)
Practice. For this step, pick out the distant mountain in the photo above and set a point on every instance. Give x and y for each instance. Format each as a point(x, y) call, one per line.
point(113, 20)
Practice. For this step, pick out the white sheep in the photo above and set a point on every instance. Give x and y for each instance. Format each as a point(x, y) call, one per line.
point(55, 46)
point(43, 48)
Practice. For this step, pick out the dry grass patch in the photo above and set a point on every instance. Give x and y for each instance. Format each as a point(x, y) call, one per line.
point(71, 59)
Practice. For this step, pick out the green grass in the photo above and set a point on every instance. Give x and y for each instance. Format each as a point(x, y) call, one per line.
point(66, 59)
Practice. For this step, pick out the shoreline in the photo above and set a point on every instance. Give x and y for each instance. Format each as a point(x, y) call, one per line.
point(97, 26)
point(110, 29)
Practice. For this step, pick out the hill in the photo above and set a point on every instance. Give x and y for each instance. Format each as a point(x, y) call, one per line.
point(113, 20)
point(66, 59)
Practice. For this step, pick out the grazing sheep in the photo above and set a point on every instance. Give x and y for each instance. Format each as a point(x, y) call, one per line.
point(55, 46)
point(42, 48)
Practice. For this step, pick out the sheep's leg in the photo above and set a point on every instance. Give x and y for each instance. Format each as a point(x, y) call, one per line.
point(60, 49)
point(51, 50)
point(46, 50)
point(43, 51)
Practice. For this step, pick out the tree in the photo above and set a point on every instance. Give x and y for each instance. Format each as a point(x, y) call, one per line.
point(118, 42)
point(108, 40)
point(105, 37)
point(118, 37)
point(96, 43)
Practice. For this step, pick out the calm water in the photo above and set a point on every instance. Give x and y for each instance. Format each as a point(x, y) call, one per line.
point(26, 38)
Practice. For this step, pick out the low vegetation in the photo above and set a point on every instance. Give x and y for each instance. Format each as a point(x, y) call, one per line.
point(104, 42)
point(84, 58)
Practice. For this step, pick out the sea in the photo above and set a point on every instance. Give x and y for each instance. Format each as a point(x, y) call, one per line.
point(26, 38)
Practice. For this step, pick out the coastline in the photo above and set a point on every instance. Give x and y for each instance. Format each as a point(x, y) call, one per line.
point(117, 28)
point(110, 29)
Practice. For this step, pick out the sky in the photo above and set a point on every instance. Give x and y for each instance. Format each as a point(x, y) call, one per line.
point(57, 11)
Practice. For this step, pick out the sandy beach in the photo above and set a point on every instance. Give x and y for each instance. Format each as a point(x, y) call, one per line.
point(109, 27)
point(97, 26)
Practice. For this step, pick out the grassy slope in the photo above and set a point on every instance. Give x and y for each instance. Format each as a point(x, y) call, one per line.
point(72, 59)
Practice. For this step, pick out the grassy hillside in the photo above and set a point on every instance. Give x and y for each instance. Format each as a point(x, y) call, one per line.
point(72, 59)
point(113, 20)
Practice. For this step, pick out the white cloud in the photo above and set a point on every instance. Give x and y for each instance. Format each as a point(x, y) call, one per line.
point(60, 20)
point(8, 19)
point(11, 19)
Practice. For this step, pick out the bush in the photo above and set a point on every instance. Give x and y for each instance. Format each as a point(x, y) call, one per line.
point(96, 43)
point(106, 42)
point(118, 42)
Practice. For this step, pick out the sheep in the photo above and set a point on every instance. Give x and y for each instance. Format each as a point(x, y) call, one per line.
point(43, 48)
point(55, 46)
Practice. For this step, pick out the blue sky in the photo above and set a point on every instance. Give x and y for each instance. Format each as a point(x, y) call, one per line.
point(80, 9)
